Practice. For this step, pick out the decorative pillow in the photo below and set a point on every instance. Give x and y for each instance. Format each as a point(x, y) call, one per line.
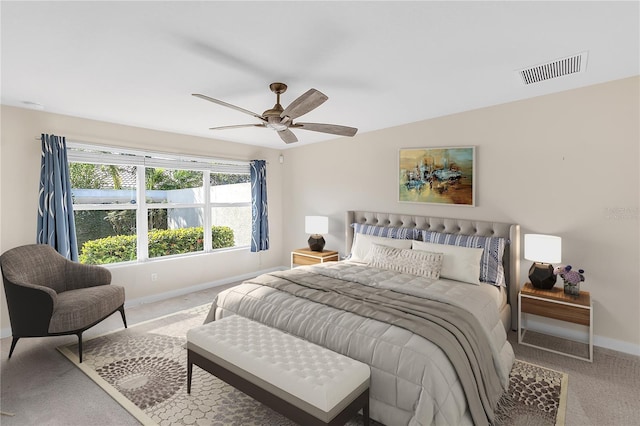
point(414, 262)
point(383, 231)
point(458, 263)
point(362, 245)
point(491, 268)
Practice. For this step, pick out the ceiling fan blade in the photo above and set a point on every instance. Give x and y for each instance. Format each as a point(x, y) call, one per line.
point(237, 108)
point(236, 126)
point(308, 101)
point(334, 129)
point(287, 136)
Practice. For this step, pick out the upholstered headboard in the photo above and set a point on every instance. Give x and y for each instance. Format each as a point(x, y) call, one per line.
point(511, 258)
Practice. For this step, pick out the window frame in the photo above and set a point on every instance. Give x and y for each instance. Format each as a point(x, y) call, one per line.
point(110, 155)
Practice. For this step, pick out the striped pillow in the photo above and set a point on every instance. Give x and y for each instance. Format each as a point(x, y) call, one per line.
point(383, 231)
point(415, 262)
point(491, 268)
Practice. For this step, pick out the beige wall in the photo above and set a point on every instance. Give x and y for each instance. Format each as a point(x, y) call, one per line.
point(19, 176)
point(558, 164)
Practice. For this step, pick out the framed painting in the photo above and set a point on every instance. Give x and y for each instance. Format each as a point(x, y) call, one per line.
point(441, 175)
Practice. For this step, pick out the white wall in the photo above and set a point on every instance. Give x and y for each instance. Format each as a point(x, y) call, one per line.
point(19, 176)
point(560, 164)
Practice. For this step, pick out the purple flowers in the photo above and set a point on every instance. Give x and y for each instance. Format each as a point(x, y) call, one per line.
point(569, 275)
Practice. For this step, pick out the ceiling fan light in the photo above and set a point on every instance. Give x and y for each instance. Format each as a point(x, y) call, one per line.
point(276, 124)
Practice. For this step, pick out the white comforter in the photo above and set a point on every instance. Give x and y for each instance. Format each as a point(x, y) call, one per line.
point(412, 380)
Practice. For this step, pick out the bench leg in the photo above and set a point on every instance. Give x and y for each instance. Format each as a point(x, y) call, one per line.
point(189, 372)
point(365, 413)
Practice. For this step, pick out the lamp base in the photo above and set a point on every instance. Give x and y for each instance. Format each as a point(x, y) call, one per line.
point(316, 242)
point(541, 276)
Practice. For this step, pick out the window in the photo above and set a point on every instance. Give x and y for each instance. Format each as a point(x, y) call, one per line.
point(131, 205)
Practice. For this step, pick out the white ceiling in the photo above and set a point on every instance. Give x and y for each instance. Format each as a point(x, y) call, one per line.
point(381, 64)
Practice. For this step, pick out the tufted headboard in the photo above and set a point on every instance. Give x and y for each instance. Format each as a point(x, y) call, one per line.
point(511, 258)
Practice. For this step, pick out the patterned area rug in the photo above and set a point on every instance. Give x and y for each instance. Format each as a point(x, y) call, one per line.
point(144, 369)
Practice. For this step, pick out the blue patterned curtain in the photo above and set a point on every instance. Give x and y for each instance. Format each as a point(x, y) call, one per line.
point(56, 226)
point(259, 216)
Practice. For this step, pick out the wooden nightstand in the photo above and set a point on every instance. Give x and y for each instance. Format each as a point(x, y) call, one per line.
point(304, 256)
point(556, 304)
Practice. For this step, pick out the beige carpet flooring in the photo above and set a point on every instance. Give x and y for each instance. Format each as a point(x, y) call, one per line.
point(41, 387)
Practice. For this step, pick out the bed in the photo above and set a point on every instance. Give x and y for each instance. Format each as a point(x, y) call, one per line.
point(436, 347)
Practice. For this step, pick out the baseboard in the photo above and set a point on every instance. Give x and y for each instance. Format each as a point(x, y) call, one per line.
point(6, 332)
point(617, 345)
point(204, 286)
point(583, 337)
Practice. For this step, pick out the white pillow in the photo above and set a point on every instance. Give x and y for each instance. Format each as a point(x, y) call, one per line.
point(459, 263)
point(362, 245)
point(415, 262)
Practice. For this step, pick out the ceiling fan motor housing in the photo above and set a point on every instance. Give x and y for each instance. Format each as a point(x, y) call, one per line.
point(274, 121)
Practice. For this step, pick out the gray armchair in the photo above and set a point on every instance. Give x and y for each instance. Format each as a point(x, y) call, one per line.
point(49, 295)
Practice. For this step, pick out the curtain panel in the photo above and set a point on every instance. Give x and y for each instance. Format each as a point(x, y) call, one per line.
point(259, 216)
point(56, 225)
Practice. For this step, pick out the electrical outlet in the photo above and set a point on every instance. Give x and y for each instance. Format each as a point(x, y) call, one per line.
point(154, 277)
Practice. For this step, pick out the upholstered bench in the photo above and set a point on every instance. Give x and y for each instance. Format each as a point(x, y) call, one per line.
point(309, 384)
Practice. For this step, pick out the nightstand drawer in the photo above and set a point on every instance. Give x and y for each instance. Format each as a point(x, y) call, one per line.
point(574, 314)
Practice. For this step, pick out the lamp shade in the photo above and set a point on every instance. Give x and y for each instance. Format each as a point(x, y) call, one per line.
point(543, 248)
point(316, 225)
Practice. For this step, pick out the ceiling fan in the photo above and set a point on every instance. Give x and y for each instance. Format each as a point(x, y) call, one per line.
point(281, 119)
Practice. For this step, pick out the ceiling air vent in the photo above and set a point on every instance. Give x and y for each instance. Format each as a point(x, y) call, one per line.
point(554, 69)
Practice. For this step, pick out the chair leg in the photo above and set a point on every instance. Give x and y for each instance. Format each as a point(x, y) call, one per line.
point(13, 345)
point(80, 346)
point(124, 319)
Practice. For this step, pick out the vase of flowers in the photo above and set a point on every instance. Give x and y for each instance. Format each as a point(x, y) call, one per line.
point(571, 278)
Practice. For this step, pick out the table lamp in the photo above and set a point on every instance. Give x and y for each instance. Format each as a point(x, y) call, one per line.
point(543, 250)
point(316, 226)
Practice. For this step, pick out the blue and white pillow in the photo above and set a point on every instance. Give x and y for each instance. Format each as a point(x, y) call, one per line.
point(388, 232)
point(491, 268)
